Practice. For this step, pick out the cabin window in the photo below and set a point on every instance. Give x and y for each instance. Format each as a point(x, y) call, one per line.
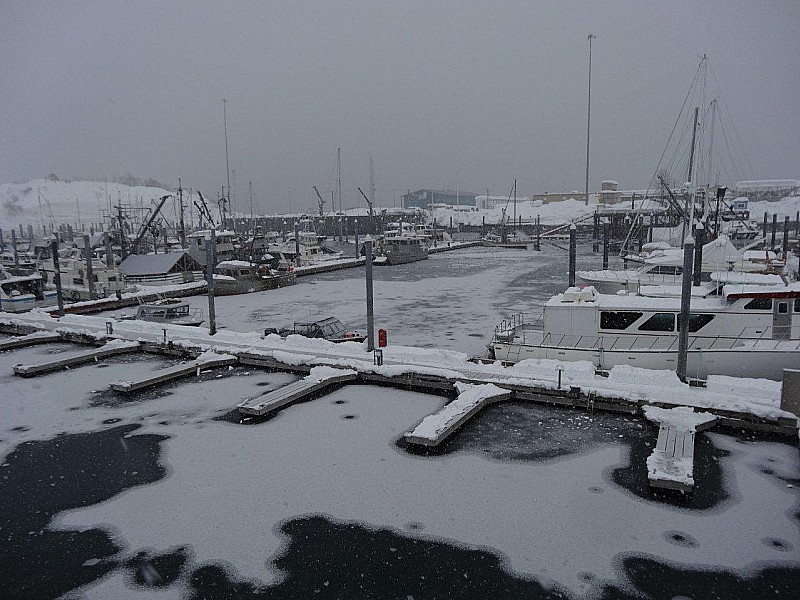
point(659, 322)
point(697, 322)
point(759, 304)
point(618, 319)
point(797, 305)
point(783, 308)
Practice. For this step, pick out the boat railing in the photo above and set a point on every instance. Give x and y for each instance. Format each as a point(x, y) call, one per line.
point(666, 343)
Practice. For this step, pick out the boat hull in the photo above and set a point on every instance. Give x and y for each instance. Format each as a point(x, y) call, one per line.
point(765, 360)
point(226, 287)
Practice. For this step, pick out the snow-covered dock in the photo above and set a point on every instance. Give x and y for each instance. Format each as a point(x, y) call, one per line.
point(112, 348)
point(319, 379)
point(32, 339)
point(671, 465)
point(207, 360)
point(741, 403)
point(436, 428)
point(145, 294)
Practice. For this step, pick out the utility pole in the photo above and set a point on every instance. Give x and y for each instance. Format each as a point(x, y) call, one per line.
point(180, 204)
point(211, 252)
point(370, 313)
point(339, 178)
point(589, 116)
point(227, 164)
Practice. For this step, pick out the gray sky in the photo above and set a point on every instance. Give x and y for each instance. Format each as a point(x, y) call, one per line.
point(478, 92)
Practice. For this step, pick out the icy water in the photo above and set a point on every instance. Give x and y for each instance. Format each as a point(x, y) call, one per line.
point(164, 494)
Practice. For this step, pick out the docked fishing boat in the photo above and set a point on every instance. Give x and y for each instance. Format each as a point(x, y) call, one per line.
point(170, 311)
point(107, 281)
point(402, 245)
point(241, 277)
point(739, 330)
point(19, 293)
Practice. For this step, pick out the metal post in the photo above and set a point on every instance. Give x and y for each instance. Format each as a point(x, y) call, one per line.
point(109, 252)
point(57, 277)
point(210, 251)
point(573, 249)
point(538, 233)
point(765, 228)
point(2, 245)
point(595, 231)
point(606, 232)
point(296, 244)
point(785, 237)
point(14, 246)
point(370, 314)
point(87, 253)
point(700, 232)
point(774, 229)
point(356, 224)
point(589, 116)
point(686, 298)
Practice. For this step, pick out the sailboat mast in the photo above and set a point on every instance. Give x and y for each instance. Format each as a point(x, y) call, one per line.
point(689, 217)
point(515, 202)
point(339, 175)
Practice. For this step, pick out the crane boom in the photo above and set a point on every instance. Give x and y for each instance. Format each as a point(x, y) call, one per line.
point(145, 226)
point(202, 208)
point(369, 202)
point(320, 201)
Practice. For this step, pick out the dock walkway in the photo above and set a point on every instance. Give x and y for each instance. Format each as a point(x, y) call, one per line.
point(671, 464)
point(319, 379)
point(208, 360)
point(436, 428)
point(112, 348)
point(32, 339)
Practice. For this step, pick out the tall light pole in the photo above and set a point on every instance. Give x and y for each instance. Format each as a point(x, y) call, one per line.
point(227, 165)
point(589, 115)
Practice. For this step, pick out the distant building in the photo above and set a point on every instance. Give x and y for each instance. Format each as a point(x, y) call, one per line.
point(423, 198)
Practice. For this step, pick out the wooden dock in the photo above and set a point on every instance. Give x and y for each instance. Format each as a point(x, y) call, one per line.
point(112, 348)
point(32, 339)
point(671, 464)
point(436, 428)
point(176, 372)
point(309, 385)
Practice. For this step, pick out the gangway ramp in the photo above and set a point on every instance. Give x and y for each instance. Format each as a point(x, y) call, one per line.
point(32, 339)
point(112, 348)
point(435, 428)
point(207, 360)
point(317, 380)
point(671, 464)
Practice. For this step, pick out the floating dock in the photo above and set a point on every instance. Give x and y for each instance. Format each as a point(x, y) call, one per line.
point(208, 360)
point(318, 380)
point(671, 464)
point(32, 339)
point(436, 428)
point(112, 348)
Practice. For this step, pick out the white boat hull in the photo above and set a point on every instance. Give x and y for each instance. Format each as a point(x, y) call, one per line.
point(765, 360)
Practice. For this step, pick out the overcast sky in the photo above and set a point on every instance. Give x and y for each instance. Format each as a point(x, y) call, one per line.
point(440, 94)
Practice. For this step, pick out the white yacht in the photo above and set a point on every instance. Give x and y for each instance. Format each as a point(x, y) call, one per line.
point(735, 329)
point(664, 265)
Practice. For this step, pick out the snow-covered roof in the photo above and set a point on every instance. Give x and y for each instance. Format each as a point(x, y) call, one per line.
point(137, 265)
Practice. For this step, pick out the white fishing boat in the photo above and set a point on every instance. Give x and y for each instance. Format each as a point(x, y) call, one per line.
point(75, 277)
point(735, 329)
point(20, 293)
point(241, 277)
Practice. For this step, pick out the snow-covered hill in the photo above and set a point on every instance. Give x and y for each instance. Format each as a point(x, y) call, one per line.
point(44, 201)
